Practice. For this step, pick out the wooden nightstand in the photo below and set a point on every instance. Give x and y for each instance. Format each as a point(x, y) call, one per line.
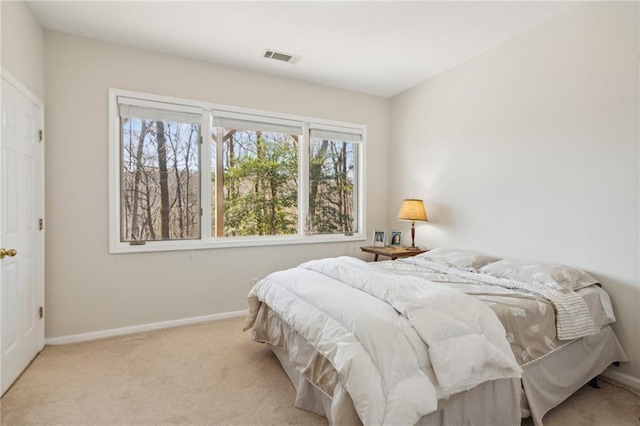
point(392, 252)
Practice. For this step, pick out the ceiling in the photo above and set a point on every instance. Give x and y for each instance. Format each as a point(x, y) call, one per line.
point(380, 48)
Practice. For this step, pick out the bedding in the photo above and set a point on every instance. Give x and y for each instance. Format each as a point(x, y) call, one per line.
point(400, 337)
point(372, 325)
point(529, 320)
point(572, 315)
point(457, 258)
point(557, 276)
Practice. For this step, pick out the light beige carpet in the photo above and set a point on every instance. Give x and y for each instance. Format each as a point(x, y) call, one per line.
point(204, 374)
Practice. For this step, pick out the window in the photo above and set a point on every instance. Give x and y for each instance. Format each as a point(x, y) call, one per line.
point(252, 178)
point(333, 182)
point(159, 174)
point(256, 164)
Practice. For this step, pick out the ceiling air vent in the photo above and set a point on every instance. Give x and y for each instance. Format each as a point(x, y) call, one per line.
point(280, 56)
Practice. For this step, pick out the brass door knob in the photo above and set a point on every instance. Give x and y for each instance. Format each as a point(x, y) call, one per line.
point(10, 253)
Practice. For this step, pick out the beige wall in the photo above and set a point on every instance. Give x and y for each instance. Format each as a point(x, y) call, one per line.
point(23, 46)
point(87, 289)
point(531, 151)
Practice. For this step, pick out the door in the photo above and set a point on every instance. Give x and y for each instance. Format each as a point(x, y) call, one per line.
point(21, 240)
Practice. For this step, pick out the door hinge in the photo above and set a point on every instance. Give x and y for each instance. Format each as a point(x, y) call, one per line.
point(201, 212)
point(40, 135)
point(40, 224)
point(200, 140)
point(41, 312)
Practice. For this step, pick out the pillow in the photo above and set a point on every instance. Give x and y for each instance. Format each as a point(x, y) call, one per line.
point(557, 276)
point(459, 258)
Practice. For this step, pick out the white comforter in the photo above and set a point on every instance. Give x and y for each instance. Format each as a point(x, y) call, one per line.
point(373, 330)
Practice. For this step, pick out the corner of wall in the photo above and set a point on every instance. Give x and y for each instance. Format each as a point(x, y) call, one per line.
point(23, 45)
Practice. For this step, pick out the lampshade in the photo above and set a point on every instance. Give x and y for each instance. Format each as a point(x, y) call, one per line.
point(413, 210)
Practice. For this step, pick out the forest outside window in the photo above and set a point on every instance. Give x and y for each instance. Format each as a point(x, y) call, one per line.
point(252, 178)
point(256, 166)
point(333, 182)
point(159, 175)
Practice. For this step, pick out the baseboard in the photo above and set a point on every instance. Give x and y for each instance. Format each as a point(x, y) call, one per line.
point(625, 379)
point(83, 337)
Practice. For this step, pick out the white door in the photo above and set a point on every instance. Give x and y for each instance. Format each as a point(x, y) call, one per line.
point(21, 240)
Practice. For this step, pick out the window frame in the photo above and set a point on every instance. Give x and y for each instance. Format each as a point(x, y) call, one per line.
point(207, 241)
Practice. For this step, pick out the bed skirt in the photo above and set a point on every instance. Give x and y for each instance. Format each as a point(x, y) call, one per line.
point(320, 390)
point(477, 406)
point(546, 382)
point(551, 379)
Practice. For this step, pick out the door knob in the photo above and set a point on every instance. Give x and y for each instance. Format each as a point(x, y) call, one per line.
point(10, 253)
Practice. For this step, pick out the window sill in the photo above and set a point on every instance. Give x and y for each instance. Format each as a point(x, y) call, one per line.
point(154, 246)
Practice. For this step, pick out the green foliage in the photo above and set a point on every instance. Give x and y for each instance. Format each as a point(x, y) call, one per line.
point(260, 180)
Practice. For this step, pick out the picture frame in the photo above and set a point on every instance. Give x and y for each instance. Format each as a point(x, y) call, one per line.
point(378, 239)
point(396, 239)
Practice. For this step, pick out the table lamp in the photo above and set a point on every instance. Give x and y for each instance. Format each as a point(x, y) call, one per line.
point(412, 210)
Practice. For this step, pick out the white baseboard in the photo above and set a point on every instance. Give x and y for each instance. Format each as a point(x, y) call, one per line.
point(625, 379)
point(83, 337)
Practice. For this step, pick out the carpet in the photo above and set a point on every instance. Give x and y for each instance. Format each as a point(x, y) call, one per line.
point(209, 373)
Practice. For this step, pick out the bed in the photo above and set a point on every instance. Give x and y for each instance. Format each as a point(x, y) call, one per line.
point(447, 337)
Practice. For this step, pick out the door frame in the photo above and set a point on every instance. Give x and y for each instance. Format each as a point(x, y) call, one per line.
point(10, 79)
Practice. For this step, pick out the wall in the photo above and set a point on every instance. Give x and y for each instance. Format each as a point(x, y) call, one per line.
point(87, 289)
point(23, 46)
point(531, 151)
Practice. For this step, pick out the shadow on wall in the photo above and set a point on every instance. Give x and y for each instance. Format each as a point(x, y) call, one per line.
point(440, 214)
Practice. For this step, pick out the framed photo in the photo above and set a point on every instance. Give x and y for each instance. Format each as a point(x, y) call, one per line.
point(378, 238)
point(396, 239)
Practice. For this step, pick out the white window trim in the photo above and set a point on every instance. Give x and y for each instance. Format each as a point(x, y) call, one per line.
point(207, 241)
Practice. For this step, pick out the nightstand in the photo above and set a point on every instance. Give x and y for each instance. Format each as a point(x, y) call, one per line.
point(392, 252)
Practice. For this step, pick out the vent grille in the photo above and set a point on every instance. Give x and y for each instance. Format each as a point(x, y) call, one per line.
point(281, 56)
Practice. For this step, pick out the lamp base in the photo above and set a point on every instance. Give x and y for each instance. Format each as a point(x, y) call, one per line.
point(413, 248)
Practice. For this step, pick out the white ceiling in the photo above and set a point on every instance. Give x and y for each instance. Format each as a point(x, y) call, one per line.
point(381, 48)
